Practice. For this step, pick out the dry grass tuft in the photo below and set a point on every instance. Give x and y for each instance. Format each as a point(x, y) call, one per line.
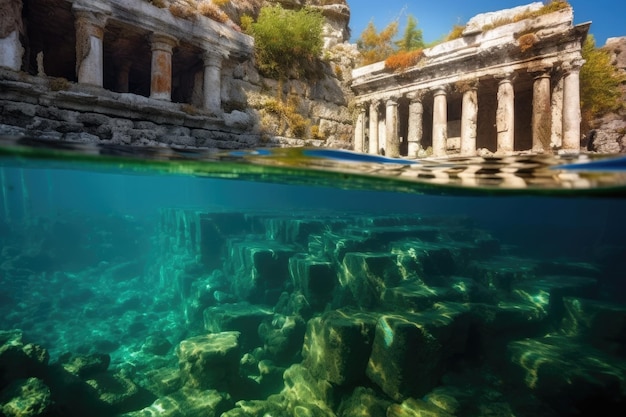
point(403, 60)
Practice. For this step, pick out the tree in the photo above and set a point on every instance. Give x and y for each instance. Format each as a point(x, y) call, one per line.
point(374, 46)
point(599, 83)
point(287, 42)
point(412, 38)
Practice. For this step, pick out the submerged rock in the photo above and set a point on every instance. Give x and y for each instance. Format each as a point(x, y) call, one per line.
point(25, 398)
point(210, 361)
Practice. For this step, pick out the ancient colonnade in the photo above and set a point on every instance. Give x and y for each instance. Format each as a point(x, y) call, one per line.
point(481, 92)
point(91, 22)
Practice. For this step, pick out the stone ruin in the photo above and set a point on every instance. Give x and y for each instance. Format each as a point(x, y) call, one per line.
point(126, 71)
point(257, 314)
point(499, 88)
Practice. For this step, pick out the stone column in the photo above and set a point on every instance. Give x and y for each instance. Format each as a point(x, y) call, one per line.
point(469, 119)
point(359, 129)
point(391, 120)
point(542, 113)
point(374, 145)
point(212, 88)
point(89, 47)
point(416, 128)
point(161, 79)
point(505, 115)
point(11, 50)
point(571, 107)
point(440, 122)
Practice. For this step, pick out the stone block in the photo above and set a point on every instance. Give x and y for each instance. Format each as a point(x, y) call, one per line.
point(337, 345)
point(414, 295)
point(260, 269)
point(413, 407)
point(549, 291)
point(571, 376)
point(209, 361)
point(187, 402)
point(409, 350)
point(25, 398)
point(366, 275)
point(315, 279)
point(242, 317)
point(363, 402)
point(601, 324)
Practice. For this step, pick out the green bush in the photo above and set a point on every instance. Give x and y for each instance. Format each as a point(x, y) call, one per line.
point(287, 42)
point(599, 83)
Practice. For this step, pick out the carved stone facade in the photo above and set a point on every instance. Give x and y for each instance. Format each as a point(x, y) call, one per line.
point(509, 89)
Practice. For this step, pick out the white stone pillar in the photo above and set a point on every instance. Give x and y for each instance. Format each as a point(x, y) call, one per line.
point(542, 113)
point(416, 128)
point(440, 122)
point(359, 129)
point(212, 88)
point(391, 118)
point(571, 107)
point(374, 145)
point(161, 78)
point(89, 47)
point(469, 120)
point(505, 115)
point(11, 25)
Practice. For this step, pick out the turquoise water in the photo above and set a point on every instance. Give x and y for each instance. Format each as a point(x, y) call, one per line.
point(307, 282)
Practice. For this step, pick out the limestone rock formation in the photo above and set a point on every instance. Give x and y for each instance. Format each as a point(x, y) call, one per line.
point(608, 134)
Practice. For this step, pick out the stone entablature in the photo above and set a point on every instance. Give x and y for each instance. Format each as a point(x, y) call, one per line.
point(481, 92)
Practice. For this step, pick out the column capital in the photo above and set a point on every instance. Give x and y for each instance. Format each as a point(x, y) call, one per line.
point(391, 101)
point(90, 23)
point(572, 66)
point(439, 90)
point(414, 96)
point(163, 42)
point(505, 77)
point(464, 86)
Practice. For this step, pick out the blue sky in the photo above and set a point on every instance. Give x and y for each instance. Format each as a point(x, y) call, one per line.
point(437, 17)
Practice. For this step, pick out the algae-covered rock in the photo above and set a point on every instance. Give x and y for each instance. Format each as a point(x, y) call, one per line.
point(118, 392)
point(416, 408)
point(364, 402)
point(25, 398)
point(19, 360)
point(337, 345)
point(210, 361)
point(187, 402)
point(85, 366)
point(242, 317)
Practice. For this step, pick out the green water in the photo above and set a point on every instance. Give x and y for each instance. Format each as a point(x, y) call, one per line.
point(307, 282)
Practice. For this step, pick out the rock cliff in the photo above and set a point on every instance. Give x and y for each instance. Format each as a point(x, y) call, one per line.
point(608, 133)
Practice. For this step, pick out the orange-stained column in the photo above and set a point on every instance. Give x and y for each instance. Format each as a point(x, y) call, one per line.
point(440, 122)
point(213, 81)
point(89, 48)
point(161, 78)
point(373, 128)
point(505, 115)
point(391, 122)
point(542, 113)
point(571, 107)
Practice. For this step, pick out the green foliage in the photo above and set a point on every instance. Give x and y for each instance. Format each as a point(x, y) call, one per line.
point(374, 46)
point(287, 42)
point(412, 38)
point(599, 83)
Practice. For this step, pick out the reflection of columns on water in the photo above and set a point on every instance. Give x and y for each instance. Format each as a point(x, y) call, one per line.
point(534, 109)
